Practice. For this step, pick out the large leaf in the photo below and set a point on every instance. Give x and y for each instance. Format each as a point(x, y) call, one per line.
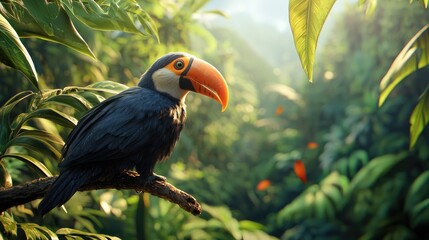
point(32, 162)
point(225, 218)
point(414, 56)
point(417, 201)
point(375, 170)
point(14, 54)
point(318, 201)
point(113, 15)
point(417, 192)
point(77, 234)
point(93, 98)
point(8, 226)
point(54, 116)
point(306, 19)
point(73, 100)
point(5, 117)
point(42, 135)
point(35, 231)
point(45, 20)
point(419, 118)
point(419, 215)
point(351, 165)
point(107, 85)
point(38, 144)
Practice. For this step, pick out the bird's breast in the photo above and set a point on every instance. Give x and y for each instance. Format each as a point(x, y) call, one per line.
point(171, 122)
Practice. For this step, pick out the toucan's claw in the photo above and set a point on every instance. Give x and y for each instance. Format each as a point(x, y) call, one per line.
point(155, 177)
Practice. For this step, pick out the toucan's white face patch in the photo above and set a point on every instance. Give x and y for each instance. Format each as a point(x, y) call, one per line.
point(168, 82)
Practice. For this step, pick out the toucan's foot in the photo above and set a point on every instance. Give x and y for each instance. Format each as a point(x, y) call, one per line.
point(131, 173)
point(155, 177)
point(150, 179)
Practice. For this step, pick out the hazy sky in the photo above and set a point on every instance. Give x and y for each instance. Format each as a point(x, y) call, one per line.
point(273, 12)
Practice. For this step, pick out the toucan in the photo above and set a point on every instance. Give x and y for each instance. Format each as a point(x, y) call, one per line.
point(136, 128)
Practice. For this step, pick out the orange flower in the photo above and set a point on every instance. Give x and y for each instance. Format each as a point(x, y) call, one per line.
point(299, 169)
point(279, 110)
point(312, 145)
point(263, 185)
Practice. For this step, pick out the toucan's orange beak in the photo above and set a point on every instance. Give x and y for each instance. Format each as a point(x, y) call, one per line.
point(201, 77)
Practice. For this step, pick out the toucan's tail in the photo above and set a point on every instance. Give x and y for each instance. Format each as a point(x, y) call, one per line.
point(67, 183)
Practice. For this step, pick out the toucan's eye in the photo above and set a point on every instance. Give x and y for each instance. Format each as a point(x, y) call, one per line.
point(179, 64)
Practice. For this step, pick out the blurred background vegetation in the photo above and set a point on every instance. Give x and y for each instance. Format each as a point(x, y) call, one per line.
point(364, 180)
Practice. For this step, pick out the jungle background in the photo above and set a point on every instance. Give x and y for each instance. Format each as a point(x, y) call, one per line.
point(367, 179)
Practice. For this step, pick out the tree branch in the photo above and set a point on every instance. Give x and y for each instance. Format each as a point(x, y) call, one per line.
point(24, 193)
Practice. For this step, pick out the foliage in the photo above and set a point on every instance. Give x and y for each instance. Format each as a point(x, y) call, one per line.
point(362, 143)
point(216, 222)
point(14, 230)
point(414, 56)
point(58, 22)
point(25, 134)
point(20, 133)
point(318, 201)
point(14, 54)
point(306, 19)
point(364, 182)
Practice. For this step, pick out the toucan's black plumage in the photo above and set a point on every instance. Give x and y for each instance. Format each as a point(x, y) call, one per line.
point(136, 128)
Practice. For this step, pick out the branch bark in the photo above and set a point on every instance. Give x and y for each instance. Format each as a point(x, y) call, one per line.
point(24, 193)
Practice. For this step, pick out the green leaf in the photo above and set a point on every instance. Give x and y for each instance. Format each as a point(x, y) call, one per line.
point(414, 56)
point(6, 179)
point(419, 215)
point(14, 54)
point(42, 135)
point(317, 201)
point(107, 85)
point(54, 116)
point(419, 118)
point(375, 170)
point(73, 100)
point(35, 142)
point(46, 20)
point(35, 231)
point(306, 18)
point(225, 218)
point(417, 191)
point(5, 112)
point(32, 162)
point(8, 226)
point(250, 225)
point(85, 235)
point(113, 15)
point(93, 98)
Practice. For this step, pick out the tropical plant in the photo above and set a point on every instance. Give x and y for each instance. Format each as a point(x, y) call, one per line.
point(215, 222)
point(366, 153)
point(27, 140)
point(307, 19)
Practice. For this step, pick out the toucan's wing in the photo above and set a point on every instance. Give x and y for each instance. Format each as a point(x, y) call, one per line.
point(117, 128)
